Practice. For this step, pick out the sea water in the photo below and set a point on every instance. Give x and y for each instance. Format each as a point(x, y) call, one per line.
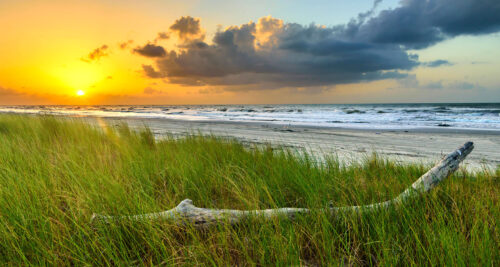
point(484, 116)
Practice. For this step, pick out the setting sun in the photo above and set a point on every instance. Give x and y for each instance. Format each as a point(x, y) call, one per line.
point(80, 93)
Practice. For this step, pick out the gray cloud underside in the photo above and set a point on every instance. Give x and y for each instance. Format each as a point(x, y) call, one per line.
point(367, 48)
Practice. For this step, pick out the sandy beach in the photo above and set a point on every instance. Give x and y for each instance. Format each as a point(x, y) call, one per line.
point(411, 145)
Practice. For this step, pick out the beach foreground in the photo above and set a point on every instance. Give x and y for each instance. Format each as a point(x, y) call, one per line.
point(55, 173)
point(419, 145)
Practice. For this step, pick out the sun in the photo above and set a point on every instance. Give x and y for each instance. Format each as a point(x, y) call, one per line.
point(80, 93)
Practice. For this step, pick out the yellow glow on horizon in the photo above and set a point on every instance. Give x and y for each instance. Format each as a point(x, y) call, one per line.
point(79, 76)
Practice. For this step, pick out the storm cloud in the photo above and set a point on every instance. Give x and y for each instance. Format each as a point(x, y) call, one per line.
point(418, 24)
point(276, 54)
point(273, 52)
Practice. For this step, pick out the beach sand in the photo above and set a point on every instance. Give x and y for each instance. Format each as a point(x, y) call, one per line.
point(410, 145)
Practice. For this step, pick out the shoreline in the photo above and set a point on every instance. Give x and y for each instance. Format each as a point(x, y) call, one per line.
point(350, 145)
point(416, 145)
point(420, 129)
point(451, 117)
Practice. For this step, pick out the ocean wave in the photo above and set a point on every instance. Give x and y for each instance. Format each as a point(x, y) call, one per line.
point(466, 116)
point(354, 111)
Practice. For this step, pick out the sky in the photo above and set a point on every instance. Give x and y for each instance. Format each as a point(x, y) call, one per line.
point(98, 52)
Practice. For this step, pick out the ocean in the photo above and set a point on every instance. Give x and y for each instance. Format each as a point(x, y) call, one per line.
point(485, 116)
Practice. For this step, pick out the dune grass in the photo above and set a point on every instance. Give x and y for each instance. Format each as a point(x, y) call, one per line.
point(55, 173)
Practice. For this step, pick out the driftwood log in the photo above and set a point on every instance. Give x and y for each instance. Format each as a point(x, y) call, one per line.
point(187, 213)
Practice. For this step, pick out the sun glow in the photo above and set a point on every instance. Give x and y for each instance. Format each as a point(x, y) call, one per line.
point(79, 77)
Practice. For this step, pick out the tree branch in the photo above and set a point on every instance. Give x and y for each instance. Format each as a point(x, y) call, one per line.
point(187, 213)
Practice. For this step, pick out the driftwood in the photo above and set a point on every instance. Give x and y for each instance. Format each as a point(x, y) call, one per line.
point(187, 213)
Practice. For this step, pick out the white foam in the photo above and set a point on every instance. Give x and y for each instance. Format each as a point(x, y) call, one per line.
point(389, 116)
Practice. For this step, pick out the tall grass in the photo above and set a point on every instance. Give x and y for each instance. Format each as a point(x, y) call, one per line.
point(55, 173)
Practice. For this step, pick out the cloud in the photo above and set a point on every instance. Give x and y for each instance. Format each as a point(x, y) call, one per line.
point(150, 72)
point(96, 54)
point(412, 82)
point(162, 36)
point(211, 91)
point(273, 54)
point(479, 62)
point(151, 91)
point(4, 92)
point(13, 97)
point(276, 53)
point(150, 50)
point(465, 86)
point(418, 24)
point(125, 45)
point(187, 29)
point(437, 63)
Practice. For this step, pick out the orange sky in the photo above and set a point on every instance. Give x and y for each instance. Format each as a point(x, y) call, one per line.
point(45, 48)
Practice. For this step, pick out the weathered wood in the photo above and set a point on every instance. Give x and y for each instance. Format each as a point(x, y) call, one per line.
point(187, 213)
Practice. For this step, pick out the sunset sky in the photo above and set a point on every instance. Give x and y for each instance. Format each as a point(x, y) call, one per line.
point(232, 52)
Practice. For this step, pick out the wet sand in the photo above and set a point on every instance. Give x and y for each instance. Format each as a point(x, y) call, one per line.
point(411, 145)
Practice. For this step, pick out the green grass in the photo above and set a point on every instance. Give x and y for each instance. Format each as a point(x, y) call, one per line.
point(55, 173)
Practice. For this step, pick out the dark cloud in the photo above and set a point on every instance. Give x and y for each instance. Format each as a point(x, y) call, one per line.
point(437, 63)
point(151, 72)
point(418, 24)
point(274, 54)
point(96, 54)
point(280, 54)
point(150, 50)
point(187, 28)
